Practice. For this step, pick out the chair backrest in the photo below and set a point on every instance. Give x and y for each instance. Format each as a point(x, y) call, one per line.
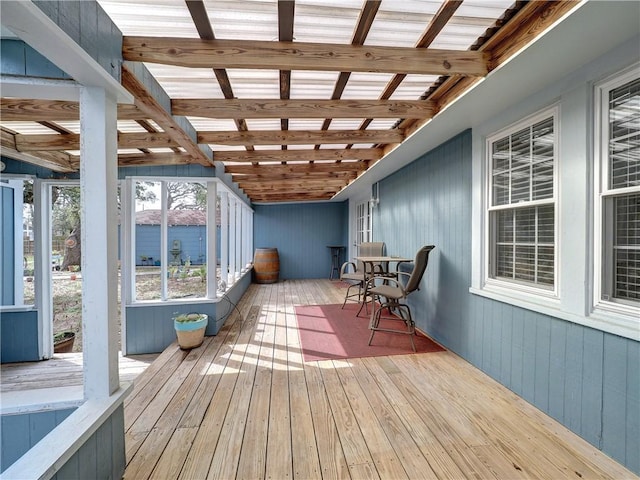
point(369, 249)
point(419, 267)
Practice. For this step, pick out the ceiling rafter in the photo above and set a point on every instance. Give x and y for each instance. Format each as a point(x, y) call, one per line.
point(148, 104)
point(201, 20)
point(365, 20)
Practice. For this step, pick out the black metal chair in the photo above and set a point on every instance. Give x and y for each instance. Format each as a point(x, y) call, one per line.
point(392, 293)
point(355, 274)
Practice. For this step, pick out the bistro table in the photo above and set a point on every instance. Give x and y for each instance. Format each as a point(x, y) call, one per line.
point(369, 271)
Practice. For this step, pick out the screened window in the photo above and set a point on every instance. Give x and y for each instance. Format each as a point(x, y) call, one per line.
point(620, 196)
point(522, 218)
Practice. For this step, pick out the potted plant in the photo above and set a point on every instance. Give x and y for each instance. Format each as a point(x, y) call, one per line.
point(63, 341)
point(190, 329)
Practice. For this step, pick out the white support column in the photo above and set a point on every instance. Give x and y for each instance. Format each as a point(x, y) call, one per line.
point(98, 189)
point(127, 255)
point(164, 241)
point(42, 265)
point(224, 237)
point(233, 220)
point(212, 260)
point(245, 215)
point(238, 238)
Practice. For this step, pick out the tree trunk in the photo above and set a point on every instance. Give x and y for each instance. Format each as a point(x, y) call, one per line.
point(72, 249)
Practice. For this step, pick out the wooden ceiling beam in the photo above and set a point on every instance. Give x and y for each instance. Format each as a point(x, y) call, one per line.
point(299, 155)
point(298, 197)
point(269, 177)
point(301, 137)
point(149, 105)
point(56, 161)
point(24, 110)
point(71, 141)
point(154, 159)
point(267, 108)
point(306, 168)
point(199, 53)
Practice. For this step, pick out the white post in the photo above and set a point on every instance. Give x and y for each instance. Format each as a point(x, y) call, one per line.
point(212, 260)
point(98, 189)
point(224, 237)
point(232, 238)
point(164, 241)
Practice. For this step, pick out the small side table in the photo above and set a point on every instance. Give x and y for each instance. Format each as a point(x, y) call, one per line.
point(336, 255)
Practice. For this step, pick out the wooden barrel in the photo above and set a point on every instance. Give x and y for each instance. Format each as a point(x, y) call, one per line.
point(266, 265)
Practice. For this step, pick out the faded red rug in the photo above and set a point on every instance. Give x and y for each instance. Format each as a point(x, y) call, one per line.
point(330, 332)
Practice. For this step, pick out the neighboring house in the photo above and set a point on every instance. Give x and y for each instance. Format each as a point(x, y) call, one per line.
point(557, 323)
point(186, 236)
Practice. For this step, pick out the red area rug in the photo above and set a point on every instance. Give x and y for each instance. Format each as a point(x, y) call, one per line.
point(330, 332)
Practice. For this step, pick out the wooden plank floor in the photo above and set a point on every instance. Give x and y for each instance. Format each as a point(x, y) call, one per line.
point(63, 370)
point(245, 405)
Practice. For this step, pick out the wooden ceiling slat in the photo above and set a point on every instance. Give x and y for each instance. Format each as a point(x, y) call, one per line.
point(35, 110)
point(301, 137)
point(268, 108)
point(199, 53)
point(299, 155)
point(153, 159)
point(309, 168)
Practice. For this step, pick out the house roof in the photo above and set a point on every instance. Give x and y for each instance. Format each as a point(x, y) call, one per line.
point(174, 217)
point(295, 99)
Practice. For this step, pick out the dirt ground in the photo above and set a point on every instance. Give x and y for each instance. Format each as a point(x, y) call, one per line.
point(67, 298)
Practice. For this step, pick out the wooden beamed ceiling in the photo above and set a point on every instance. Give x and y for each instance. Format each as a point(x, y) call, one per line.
point(285, 164)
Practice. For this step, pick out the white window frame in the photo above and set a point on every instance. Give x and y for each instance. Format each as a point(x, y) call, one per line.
point(230, 233)
point(528, 292)
point(619, 315)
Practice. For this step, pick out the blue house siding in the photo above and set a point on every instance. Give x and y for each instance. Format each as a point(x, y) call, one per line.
point(585, 378)
point(20, 432)
point(19, 336)
point(102, 455)
point(18, 58)
point(301, 234)
point(150, 327)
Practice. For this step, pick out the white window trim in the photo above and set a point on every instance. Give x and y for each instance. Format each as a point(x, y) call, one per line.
point(521, 292)
point(213, 295)
point(614, 316)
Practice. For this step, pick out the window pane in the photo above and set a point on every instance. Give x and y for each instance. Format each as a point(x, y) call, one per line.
point(500, 155)
point(186, 239)
point(524, 264)
point(521, 148)
point(545, 265)
point(147, 234)
point(505, 226)
point(530, 256)
point(542, 180)
point(501, 188)
point(520, 185)
point(526, 225)
point(627, 246)
point(624, 135)
point(504, 261)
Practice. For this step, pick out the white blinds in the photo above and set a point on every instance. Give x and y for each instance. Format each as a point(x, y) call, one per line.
point(624, 135)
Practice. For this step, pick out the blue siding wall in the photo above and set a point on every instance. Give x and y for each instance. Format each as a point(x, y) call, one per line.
point(91, 28)
point(18, 58)
point(585, 378)
point(301, 234)
point(19, 336)
point(150, 327)
point(20, 432)
point(102, 455)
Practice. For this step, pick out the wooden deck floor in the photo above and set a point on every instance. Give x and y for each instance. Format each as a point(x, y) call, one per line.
point(63, 370)
point(245, 405)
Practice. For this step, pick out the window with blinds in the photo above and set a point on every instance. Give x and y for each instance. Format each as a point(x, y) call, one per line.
point(522, 203)
point(621, 193)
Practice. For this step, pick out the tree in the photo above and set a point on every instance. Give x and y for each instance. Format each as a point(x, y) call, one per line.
point(186, 196)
